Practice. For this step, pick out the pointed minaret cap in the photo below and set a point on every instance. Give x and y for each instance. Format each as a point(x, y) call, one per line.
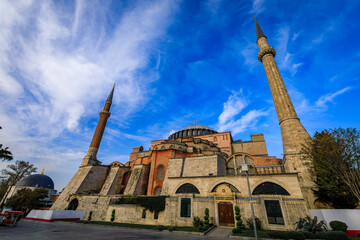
point(110, 97)
point(259, 32)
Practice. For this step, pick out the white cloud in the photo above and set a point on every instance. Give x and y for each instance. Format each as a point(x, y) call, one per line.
point(57, 67)
point(247, 121)
point(323, 100)
point(258, 6)
point(232, 107)
point(285, 59)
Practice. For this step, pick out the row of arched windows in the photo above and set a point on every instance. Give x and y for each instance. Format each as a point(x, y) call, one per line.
point(266, 188)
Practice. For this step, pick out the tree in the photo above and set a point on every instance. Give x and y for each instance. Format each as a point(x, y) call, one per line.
point(5, 154)
point(335, 157)
point(15, 172)
point(26, 199)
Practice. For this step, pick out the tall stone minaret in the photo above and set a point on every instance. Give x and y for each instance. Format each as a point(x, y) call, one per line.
point(90, 158)
point(293, 132)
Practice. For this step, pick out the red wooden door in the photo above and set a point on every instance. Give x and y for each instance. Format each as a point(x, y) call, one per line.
point(226, 214)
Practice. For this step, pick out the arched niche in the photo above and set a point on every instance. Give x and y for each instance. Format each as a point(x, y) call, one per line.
point(269, 188)
point(187, 188)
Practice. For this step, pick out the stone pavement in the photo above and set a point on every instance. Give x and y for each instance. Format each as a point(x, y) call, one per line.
point(28, 230)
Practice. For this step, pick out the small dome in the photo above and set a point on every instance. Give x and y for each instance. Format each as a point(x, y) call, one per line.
point(36, 180)
point(192, 131)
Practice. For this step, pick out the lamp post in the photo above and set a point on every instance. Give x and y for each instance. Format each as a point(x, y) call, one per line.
point(245, 169)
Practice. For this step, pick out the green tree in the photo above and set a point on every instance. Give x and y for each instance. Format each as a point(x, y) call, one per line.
point(14, 173)
point(335, 158)
point(5, 154)
point(27, 199)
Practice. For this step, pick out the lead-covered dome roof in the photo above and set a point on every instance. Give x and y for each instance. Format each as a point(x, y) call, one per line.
point(192, 131)
point(36, 180)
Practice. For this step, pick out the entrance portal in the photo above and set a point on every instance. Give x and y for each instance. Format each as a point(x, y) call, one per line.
point(226, 214)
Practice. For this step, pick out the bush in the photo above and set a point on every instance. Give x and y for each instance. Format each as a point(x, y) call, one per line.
point(197, 222)
point(160, 227)
point(112, 215)
point(286, 235)
point(151, 203)
point(336, 235)
point(239, 222)
point(338, 226)
point(249, 222)
point(171, 228)
point(206, 220)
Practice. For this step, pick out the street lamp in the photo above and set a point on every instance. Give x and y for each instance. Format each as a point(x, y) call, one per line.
point(245, 168)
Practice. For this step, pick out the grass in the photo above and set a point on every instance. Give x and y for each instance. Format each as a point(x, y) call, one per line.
point(138, 226)
point(250, 233)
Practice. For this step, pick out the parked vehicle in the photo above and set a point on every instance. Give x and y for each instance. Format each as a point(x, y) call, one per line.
point(10, 218)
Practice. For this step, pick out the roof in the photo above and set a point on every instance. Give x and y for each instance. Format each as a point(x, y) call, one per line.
point(192, 131)
point(37, 180)
point(197, 126)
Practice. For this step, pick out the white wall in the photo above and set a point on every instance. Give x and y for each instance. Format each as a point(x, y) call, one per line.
point(349, 216)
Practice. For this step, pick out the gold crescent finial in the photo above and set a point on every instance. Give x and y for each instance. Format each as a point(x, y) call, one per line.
point(42, 172)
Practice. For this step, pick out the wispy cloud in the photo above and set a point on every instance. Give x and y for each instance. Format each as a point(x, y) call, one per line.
point(231, 108)
point(329, 98)
point(257, 6)
point(67, 69)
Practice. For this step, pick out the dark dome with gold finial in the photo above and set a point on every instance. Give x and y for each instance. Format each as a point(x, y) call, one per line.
point(36, 180)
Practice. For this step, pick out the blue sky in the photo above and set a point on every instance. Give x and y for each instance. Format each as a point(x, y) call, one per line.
point(173, 62)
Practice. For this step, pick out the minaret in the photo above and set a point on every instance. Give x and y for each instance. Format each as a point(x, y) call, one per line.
point(293, 134)
point(90, 158)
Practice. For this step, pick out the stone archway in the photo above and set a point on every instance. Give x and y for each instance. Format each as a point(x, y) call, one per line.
point(73, 204)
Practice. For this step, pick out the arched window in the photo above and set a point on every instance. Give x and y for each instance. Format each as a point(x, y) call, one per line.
point(187, 188)
point(233, 165)
point(157, 191)
point(73, 204)
point(163, 148)
point(215, 139)
point(269, 188)
point(160, 172)
point(232, 187)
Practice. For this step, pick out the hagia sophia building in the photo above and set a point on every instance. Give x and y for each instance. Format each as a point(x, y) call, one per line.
point(198, 167)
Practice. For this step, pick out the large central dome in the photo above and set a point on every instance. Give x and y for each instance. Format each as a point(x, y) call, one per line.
point(192, 130)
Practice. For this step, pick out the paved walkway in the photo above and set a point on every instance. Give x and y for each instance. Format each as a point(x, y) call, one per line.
point(220, 232)
point(28, 230)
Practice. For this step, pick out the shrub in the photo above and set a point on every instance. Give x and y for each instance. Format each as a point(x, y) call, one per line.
point(336, 235)
point(338, 226)
point(112, 215)
point(160, 227)
point(249, 222)
point(197, 222)
point(171, 228)
point(239, 222)
point(206, 220)
point(89, 217)
point(286, 235)
point(307, 224)
point(151, 203)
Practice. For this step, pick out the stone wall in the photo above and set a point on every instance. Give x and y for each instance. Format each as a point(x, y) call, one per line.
point(86, 179)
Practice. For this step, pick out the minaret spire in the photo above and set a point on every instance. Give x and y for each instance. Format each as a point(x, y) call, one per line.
point(90, 158)
point(259, 31)
point(293, 134)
